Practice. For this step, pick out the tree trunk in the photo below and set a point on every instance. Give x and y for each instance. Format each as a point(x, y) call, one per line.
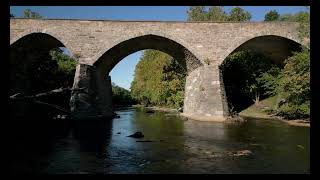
point(256, 101)
point(33, 98)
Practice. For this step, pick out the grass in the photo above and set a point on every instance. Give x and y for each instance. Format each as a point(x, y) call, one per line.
point(260, 110)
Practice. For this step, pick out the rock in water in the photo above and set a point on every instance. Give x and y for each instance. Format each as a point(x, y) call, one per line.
point(149, 111)
point(137, 135)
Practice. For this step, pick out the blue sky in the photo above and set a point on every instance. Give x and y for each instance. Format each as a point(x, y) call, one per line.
point(122, 74)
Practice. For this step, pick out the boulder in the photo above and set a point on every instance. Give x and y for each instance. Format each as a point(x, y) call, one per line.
point(136, 135)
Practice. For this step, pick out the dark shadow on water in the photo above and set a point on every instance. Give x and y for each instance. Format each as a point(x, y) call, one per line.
point(34, 138)
point(93, 135)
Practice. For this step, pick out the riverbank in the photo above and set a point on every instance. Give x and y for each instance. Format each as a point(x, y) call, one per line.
point(260, 111)
point(254, 111)
point(183, 115)
point(154, 108)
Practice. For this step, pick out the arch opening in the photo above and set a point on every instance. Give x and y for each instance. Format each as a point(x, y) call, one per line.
point(185, 59)
point(114, 55)
point(243, 73)
point(40, 63)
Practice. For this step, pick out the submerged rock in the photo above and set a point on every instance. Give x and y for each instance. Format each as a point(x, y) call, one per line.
point(149, 111)
point(136, 135)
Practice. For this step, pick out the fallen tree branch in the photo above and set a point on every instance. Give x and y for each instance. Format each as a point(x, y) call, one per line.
point(54, 106)
point(19, 96)
point(33, 98)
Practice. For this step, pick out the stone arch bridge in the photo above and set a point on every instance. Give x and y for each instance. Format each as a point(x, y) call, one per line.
point(200, 47)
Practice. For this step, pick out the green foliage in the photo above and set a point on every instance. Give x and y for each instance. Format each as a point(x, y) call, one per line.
point(269, 80)
point(304, 22)
point(216, 13)
point(66, 64)
point(246, 76)
point(272, 16)
point(158, 80)
point(121, 96)
point(250, 75)
point(52, 70)
point(40, 71)
point(294, 85)
point(294, 111)
point(30, 14)
point(238, 14)
point(196, 13)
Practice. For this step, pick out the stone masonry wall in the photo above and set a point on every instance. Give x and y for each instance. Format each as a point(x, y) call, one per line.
point(209, 42)
point(203, 94)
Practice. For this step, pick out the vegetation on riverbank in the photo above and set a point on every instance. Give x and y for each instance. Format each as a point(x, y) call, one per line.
point(250, 77)
point(267, 108)
point(121, 96)
point(158, 80)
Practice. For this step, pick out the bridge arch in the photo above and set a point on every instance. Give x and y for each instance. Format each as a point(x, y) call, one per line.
point(37, 40)
point(115, 54)
point(274, 47)
point(99, 81)
point(23, 52)
point(29, 60)
point(273, 38)
point(45, 33)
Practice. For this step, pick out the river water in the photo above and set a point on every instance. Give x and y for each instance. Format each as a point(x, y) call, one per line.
point(175, 146)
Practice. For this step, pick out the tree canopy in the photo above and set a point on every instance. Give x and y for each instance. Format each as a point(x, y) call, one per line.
point(272, 15)
point(31, 14)
point(239, 14)
point(121, 96)
point(216, 13)
point(158, 80)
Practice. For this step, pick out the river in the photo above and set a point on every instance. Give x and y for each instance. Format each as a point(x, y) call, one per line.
point(177, 146)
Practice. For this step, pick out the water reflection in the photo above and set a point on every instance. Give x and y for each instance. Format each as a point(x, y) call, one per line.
point(174, 146)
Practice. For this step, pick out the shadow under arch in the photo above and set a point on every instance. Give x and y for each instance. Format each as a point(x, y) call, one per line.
point(37, 40)
point(274, 47)
point(30, 63)
point(277, 48)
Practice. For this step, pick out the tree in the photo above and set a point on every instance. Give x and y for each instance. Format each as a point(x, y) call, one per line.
point(26, 13)
point(244, 76)
point(66, 67)
point(158, 80)
point(294, 86)
point(216, 13)
point(238, 14)
point(272, 16)
point(31, 14)
point(121, 96)
point(196, 13)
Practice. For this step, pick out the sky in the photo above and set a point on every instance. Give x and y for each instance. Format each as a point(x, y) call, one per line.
point(122, 74)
